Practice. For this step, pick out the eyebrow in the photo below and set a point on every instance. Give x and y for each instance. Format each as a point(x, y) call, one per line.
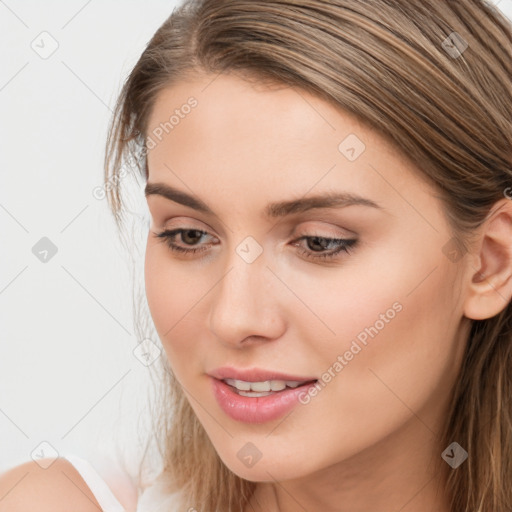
point(272, 210)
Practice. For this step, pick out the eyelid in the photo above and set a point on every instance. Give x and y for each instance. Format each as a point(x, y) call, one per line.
point(326, 228)
point(184, 223)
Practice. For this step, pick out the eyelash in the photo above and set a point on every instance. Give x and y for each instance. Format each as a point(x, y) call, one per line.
point(345, 245)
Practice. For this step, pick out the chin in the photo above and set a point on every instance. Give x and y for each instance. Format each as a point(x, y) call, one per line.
point(266, 469)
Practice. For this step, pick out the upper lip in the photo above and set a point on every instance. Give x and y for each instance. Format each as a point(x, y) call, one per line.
point(255, 375)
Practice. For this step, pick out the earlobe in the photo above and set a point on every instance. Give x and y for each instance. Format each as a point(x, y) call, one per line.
point(490, 286)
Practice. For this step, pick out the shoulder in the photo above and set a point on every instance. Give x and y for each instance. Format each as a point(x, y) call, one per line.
point(58, 488)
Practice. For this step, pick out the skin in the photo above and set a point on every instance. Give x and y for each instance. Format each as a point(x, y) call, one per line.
point(367, 441)
point(50, 485)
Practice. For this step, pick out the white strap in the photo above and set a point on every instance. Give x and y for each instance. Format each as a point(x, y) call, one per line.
point(102, 492)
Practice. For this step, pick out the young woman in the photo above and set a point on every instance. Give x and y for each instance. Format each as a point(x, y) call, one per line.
point(329, 256)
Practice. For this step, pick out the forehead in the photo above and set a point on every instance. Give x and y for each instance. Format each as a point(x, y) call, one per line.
point(227, 105)
point(245, 136)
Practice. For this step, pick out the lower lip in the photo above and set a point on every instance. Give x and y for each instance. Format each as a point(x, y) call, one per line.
point(258, 409)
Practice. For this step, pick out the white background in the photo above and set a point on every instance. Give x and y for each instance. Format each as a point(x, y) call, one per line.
point(68, 375)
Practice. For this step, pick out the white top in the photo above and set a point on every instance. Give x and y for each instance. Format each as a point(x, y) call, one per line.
point(153, 499)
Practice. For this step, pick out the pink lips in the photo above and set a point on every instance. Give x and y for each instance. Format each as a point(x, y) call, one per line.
point(256, 409)
point(255, 375)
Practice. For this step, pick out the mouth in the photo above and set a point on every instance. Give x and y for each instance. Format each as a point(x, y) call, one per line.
point(259, 401)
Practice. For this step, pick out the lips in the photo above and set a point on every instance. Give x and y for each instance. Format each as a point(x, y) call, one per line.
point(229, 386)
point(256, 375)
point(259, 409)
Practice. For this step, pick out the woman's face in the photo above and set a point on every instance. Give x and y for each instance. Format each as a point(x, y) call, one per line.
point(377, 319)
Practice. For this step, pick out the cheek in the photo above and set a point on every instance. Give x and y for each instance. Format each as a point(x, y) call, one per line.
point(393, 301)
point(394, 360)
point(175, 301)
point(159, 285)
point(169, 293)
point(394, 343)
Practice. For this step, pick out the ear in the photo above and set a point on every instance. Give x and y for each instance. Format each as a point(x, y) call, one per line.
point(490, 288)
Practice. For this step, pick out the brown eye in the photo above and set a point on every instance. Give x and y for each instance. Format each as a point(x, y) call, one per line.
point(189, 237)
point(317, 244)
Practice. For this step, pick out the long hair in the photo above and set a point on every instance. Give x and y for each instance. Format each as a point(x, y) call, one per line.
point(433, 77)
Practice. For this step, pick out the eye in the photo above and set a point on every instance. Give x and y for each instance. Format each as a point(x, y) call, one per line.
point(188, 235)
point(316, 244)
point(321, 243)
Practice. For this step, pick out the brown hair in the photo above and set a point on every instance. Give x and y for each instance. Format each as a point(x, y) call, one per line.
point(398, 67)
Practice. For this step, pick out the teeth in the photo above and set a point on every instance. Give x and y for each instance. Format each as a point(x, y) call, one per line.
point(239, 384)
point(277, 385)
point(261, 387)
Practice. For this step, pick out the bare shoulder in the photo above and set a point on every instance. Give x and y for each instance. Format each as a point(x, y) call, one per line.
point(58, 488)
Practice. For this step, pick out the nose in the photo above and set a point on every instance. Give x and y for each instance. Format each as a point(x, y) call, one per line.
point(246, 305)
